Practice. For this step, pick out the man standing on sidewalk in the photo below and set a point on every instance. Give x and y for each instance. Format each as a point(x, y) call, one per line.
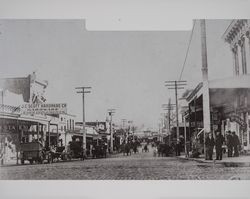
point(236, 144)
point(209, 143)
point(230, 144)
point(218, 145)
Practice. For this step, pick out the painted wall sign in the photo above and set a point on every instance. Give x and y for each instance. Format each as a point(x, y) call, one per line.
point(44, 109)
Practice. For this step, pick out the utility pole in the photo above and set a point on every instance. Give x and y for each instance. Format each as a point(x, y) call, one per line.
point(111, 112)
point(205, 98)
point(123, 127)
point(169, 107)
point(130, 122)
point(176, 85)
point(83, 90)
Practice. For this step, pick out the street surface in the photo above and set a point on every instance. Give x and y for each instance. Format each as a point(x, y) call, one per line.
point(142, 166)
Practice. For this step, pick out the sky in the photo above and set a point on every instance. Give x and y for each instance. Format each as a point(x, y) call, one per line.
point(126, 69)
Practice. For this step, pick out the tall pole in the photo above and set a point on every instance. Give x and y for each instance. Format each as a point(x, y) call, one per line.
point(177, 113)
point(83, 124)
point(176, 85)
point(185, 135)
point(83, 90)
point(206, 103)
point(111, 111)
point(123, 127)
point(49, 132)
point(169, 107)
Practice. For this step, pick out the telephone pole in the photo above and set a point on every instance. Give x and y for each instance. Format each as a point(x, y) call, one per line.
point(123, 127)
point(169, 107)
point(176, 85)
point(205, 98)
point(111, 112)
point(83, 90)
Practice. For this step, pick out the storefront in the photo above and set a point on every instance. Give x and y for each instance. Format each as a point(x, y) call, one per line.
point(16, 129)
point(229, 107)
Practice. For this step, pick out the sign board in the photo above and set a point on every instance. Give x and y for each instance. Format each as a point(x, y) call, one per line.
point(100, 127)
point(236, 118)
point(43, 109)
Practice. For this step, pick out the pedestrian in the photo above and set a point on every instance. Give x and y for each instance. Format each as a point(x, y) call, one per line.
point(146, 148)
point(236, 144)
point(218, 145)
point(155, 151)
point(209, 143)
point(229, 144)
point(177, 148)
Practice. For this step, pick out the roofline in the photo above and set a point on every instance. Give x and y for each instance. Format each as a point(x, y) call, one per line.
point(228, 30)
point(193, 93)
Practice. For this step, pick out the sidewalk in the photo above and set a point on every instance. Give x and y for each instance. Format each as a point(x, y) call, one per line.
point(241, 161)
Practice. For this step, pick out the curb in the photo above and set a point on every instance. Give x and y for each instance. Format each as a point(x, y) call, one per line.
point(226, 164)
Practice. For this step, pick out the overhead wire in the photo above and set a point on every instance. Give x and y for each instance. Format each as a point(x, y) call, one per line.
point(188, 48)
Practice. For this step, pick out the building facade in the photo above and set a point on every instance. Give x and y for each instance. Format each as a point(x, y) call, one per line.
point(229, 98)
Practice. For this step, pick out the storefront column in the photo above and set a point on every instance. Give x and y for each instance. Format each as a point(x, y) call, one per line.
point(243, 55)
point(248, 130)
point(235, 60)
point(57, 135)
point(248, 36)
point(37, 131)
point(49, 132)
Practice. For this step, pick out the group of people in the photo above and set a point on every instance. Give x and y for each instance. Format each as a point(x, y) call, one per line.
point(231, 140)
point(130, 146)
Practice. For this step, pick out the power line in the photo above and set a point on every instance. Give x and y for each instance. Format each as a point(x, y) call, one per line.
point(189, 43)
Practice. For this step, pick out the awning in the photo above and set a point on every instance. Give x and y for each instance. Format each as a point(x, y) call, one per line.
point(241, 81)
point(223, 91)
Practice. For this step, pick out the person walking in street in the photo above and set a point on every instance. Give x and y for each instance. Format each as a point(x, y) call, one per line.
point(209, 143)
point(236, 144)
point(218, 145)
point(229, 144)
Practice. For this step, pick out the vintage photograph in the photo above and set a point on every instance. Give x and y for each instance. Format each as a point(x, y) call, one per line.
point(77, 104)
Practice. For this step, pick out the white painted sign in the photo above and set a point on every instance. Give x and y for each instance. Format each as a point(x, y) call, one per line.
point(44, 108)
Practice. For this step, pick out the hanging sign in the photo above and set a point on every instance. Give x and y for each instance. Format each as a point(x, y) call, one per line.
point(239, 120)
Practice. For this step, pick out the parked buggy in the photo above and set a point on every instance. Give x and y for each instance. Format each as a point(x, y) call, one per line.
point(59, 153)
point(99, 152)
point(164, 150)
point(76, 150)
point(34, 152)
